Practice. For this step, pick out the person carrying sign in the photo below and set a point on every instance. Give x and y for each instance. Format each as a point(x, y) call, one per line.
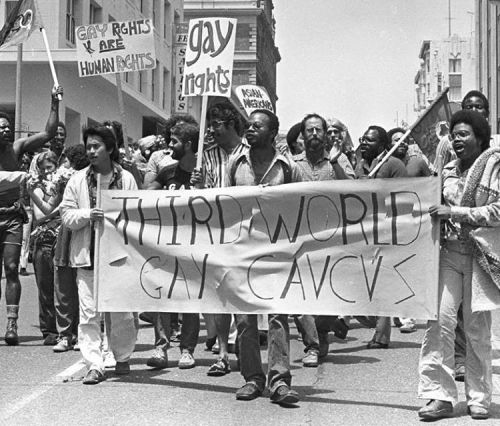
point(12, 214)
point(263, 165)
point(224, 124)
point(468, 272)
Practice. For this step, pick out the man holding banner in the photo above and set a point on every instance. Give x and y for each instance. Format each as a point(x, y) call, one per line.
point(263, 165)
point(12, 214)
point(81, 213)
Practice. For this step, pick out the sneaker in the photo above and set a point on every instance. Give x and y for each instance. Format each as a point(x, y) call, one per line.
point(216, 348)
point(210, 342)
point(477, 412)
point(62, 346)
point(93, 377)
point(76, 346)
point(158, 360)
point(109, 360)
point(311, 359)
point(23, 272)
point(186, 360)
point(408, 328)
point(283, 395)
point(175, 336)
point(220, 368)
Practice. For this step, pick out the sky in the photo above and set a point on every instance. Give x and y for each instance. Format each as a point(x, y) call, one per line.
point(356, 60)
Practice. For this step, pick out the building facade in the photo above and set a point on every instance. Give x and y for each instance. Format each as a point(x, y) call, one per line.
point(445, 63)
point(148, 95)
point(487, 20)
point(256, 54)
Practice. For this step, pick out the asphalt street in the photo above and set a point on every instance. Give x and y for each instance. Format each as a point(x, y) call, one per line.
point(353, 386)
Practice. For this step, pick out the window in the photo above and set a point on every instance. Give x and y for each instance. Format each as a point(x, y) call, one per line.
point(455, 65)
point(439, 82)
point(166, 89)
point(70, 21)
point(95, 14)
point(142, 81)
point(242, 37)
point(455, 82)
point(154, 82)
point(166, 19)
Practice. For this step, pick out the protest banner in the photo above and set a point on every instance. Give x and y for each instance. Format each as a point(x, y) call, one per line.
point(364, 247)
point(181, 35)
point(209, 57)
point(115, 47)
point(253, 97)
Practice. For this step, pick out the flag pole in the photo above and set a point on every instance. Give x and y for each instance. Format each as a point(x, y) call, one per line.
point(396, 145)
point(18, 107)
point(51, 62)
point(121, 108)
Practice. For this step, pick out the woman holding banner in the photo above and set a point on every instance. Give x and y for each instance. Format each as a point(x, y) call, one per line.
point(469, 272)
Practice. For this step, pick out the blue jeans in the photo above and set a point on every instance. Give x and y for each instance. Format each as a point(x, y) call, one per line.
point(44, 275)
point(66, 301)
point(278, 351)
point(190, 331)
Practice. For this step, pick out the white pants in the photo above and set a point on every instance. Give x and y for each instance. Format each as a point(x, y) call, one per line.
point(437, 361)
point(122, 334)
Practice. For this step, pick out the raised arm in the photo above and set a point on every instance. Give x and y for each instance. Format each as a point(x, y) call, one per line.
point(32, 143)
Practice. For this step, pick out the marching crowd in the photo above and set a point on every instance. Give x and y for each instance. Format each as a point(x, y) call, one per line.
point(50, 215)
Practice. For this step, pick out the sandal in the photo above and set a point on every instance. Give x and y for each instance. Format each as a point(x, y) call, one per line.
point(220, 368)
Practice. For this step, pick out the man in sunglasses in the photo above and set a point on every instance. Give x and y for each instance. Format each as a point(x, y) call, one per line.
point(225, 128)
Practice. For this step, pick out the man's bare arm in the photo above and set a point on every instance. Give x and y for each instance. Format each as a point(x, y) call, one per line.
point(32, 143)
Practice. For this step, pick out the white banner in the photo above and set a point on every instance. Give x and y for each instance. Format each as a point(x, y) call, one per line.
point(364, 247)
point(113, 47)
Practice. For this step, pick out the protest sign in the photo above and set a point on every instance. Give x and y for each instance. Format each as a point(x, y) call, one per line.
point(181, 32)
point(115, 47)
point(364, 247)
point(209, 57)
point(20, 24)
point(253, 97)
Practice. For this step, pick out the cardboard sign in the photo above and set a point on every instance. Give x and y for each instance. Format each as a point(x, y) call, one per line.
point(209, 57)
point(364, 247)
point(253, 97)
point(113, 47)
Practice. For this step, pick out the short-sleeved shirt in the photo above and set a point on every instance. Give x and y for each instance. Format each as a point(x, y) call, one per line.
point(392, 168)
point(180, 179)
point(215, 161)
point(241, 171)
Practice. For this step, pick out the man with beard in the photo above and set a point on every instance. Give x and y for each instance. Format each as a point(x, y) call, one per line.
point(373, 147)
point(262, 164)
point(12, 214)
point(183, 145)
point(317, 164)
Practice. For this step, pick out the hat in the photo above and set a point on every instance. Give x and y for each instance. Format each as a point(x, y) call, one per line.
point(293, 134)
point(146, 142)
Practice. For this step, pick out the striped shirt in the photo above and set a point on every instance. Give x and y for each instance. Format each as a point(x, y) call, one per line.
point(215, 161)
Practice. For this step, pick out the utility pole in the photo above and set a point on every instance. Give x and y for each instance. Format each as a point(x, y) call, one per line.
point(449, 18)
